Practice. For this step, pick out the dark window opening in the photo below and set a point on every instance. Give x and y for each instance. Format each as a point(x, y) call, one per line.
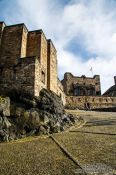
point(97, 93)
point(43, 77)
point(1, 71)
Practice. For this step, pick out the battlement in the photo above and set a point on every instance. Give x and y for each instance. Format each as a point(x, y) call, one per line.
point(70, 75)
point(90, 102)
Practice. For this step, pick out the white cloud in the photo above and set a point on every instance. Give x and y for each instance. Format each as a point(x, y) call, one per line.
point(90, 22)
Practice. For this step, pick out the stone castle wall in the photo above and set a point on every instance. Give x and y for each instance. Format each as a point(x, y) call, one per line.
point(24, 42)
point(69, 82)
point(37, 46)
point(52, 67)
point(28, 61)
point(94, 102)
point(60, 92)
point(11, 44)
point(20, 77)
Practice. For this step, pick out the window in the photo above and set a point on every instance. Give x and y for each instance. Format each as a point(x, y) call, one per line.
point(77, 91)
point(43, 77)
point(1, 71)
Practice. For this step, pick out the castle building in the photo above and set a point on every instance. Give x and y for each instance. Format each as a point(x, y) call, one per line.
point(28, 61)
point(81, 86)
point(85, 93)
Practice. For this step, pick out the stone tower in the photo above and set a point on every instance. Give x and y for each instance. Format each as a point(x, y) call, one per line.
point(28, 61)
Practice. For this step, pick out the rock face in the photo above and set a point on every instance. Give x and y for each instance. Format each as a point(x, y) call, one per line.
point(5, 105)
point(34, 116)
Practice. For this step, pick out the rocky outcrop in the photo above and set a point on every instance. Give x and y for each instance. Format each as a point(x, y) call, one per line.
point(34, 116)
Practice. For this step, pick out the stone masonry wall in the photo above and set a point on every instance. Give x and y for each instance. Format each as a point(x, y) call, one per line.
point(52, 67)
point(43, 59)
point(34, 44)
point(25, 75)
point(39, 78)
point(37, 46)
point(28, 61)
point(60, 92)
point(70, 80)
point(11, 44)
point(94, 102)
point(24, 42)
point(21, 77)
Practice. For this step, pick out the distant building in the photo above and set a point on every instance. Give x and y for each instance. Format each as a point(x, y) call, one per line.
point(81, 86)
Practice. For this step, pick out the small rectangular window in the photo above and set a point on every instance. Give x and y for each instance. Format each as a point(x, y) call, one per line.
point(1, 71)
point(43, 77)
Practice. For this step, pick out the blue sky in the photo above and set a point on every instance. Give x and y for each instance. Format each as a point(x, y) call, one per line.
point(83, 31)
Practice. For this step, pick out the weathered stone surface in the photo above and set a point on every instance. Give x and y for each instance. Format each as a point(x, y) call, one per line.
point(34, 116)
point(81, 86)
point(90, 102)
point(5, 105)
point(50, 102)
point(52, 67)
point(28, 61)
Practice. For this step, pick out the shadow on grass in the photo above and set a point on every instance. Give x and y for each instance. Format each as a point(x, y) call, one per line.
point(100, 123)
point(88, 132)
